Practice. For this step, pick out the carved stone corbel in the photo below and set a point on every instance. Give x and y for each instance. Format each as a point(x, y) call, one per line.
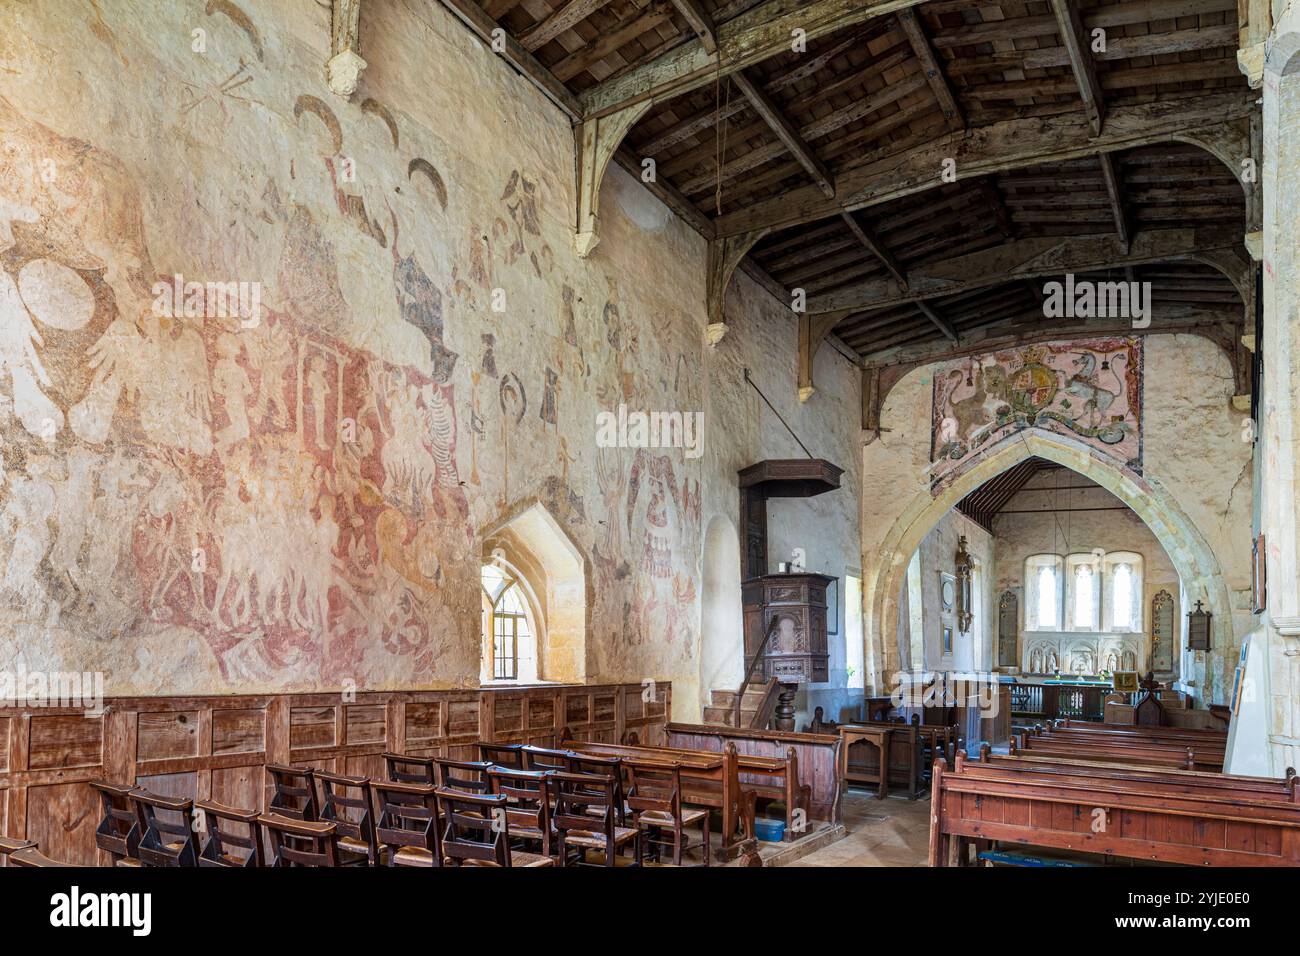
point(813, 330)
point(597, 140)
point(724, 256)
point(343, 71)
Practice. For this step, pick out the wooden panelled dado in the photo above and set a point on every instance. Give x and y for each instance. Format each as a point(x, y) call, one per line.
point(214, 748)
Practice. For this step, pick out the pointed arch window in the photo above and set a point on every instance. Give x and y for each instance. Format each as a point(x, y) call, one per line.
point(508, 626)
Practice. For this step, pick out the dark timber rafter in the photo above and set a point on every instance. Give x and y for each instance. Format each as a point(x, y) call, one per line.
point(766, 107)
point(750, 38)
point(1074, 39)
point(1031, 258)
point(998, 147)
point(700, 22)
point(920, 44)
point(1111, 175)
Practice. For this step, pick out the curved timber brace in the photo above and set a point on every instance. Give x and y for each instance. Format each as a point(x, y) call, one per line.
point(343, 71)
point(724, 256)
point(813, 330)
point(1234, 142)
point(596, 141)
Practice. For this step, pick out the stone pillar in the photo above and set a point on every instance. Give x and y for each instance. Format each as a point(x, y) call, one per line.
point(1278, 641)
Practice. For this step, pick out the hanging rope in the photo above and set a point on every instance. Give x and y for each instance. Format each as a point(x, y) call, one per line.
point(720, 128)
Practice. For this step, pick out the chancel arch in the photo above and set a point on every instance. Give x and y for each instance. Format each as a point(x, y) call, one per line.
point(1197, 566)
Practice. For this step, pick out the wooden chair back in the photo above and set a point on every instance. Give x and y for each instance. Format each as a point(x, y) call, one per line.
point(601, 766)
point(476, 827)
point(467, 775)
point(655, 787)
point(118, 833)
point(530, 800)
point(346, 803)
point(585, 802)
point(542, 758)
point(503, 755)
point(404, 769)
point(222, 844)
point(300, 842)
point(407, 817)
point(295, 793)
point(167, 836)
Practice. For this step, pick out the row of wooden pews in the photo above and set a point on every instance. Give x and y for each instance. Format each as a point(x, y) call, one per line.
point(1101, 793)
point(618, 803)
point(1186, 748)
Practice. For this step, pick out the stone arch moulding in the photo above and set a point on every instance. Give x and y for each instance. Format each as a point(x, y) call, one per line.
point(1187, 548)
point(566, 595)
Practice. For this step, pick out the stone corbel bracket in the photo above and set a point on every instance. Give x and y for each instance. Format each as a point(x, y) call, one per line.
point(724, 256)
point(345, 65)
point(596, 142)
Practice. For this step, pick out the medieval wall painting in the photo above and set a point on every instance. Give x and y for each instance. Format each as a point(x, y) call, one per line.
point(1090, 390)
point(198, 502)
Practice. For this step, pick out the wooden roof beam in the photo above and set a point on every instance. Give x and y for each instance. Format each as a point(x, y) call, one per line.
point(771, 113)
point(1004, 145)
point(1111, 175)
point(700, 22)
point(753, 36)
point(940, 323)
point(1036, 257)
point(564, 17)
point(1074, 39)
point(871, 241)
point(920, 43)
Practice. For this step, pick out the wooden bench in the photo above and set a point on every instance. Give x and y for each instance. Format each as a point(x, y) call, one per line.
point(1088, 746)
point(818, 757)
point(1199, 819)
point(709, 779)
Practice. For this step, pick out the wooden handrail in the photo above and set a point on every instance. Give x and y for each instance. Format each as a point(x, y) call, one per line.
point(749, 670)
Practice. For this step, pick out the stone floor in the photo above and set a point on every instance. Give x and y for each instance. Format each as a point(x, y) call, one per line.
point(890, 832)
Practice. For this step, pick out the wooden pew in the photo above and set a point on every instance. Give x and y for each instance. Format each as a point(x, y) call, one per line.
point(818, 758)
point(1043, 745)
point(1209, 754)
point(711, 779)
point(1193, 818)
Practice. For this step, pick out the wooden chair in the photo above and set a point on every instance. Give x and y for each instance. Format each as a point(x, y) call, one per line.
point(655, 799)
point(502, 755)
point(10, 845)
point(467, 775)
point(540, 758)
point(32, 857)
point(300, 842)
point(346, 803)
point(167, 836)
point(404, 769)
point(295, 793)
point(586, 818)
point(529, 808)
point(608, 767)
point(407, 826)
point(118, 833)
point(221, 843)
point(478, 831)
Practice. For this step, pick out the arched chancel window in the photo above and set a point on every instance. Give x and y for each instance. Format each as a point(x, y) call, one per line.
point(508, 627)
point(1083, 591)
point(1123, 591)
point(1043, 592)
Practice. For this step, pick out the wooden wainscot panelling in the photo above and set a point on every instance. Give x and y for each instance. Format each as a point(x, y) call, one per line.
point(215, 748)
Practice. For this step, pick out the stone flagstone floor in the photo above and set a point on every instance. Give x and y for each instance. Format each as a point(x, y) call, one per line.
point(890, 832)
